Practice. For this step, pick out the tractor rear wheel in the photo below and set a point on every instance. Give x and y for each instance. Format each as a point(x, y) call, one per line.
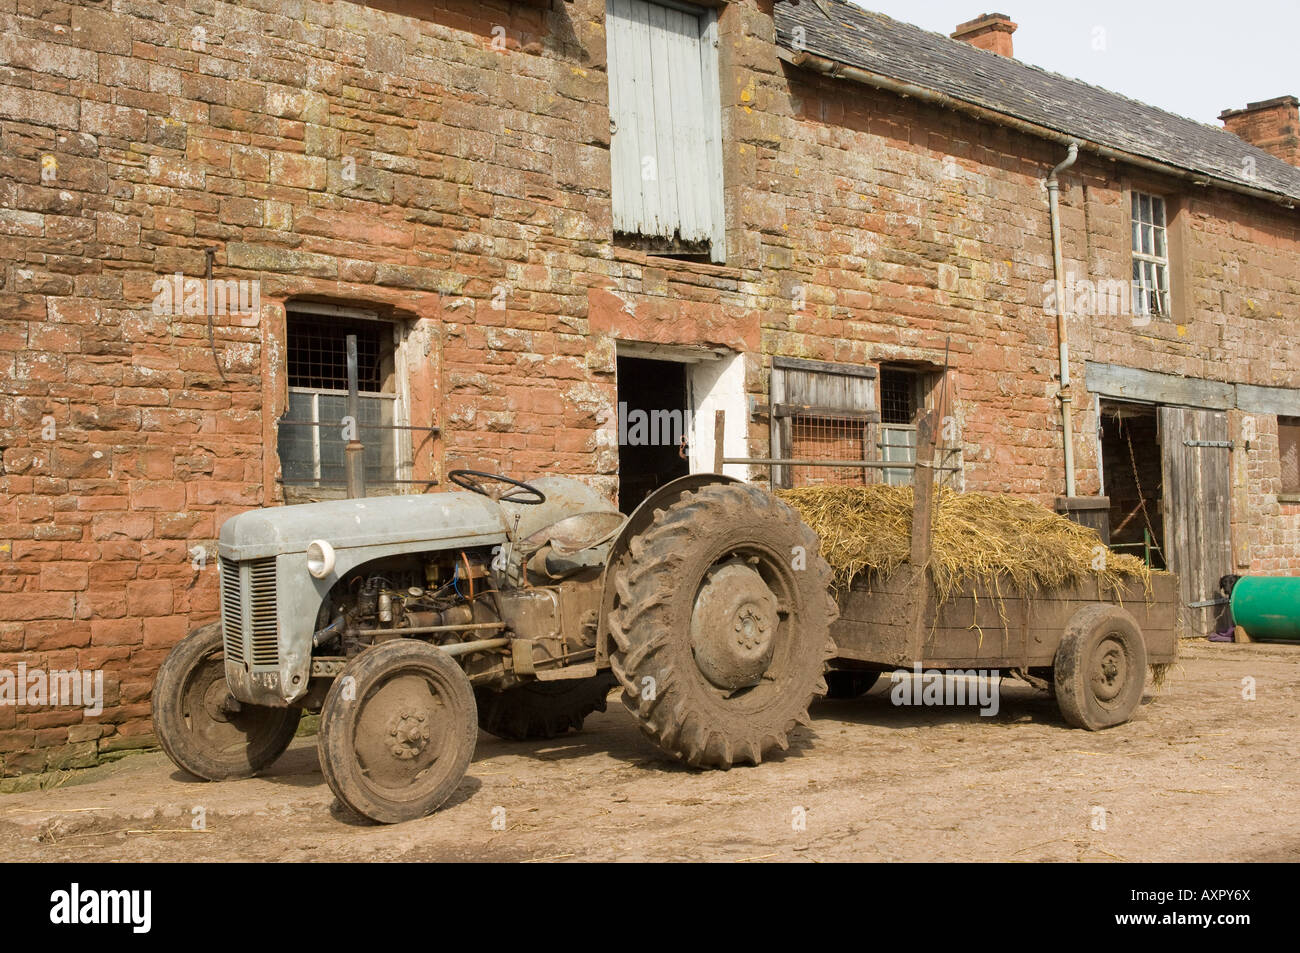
point(1100, 668)
point(721, 625)
point(397, 731)
point(205, 731)
point(541, 709)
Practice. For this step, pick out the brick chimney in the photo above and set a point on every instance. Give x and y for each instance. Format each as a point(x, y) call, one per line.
point(990, 32)
point(1273, 125)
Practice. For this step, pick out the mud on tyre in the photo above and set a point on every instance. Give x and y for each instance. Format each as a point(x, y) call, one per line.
point(721, 625)
point(397, 731)
point(205, 731)
point(1100, 668)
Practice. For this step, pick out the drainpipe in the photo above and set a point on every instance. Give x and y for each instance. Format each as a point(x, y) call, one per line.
point(1062, 337)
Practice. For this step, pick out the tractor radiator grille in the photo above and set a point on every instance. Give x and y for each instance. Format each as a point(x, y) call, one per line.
point(248, 613)
point(263, 632)
point(232, 612)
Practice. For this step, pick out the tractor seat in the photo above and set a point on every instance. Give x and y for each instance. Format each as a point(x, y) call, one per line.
point(575, 533)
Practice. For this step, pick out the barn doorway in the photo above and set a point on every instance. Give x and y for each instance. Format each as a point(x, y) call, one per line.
point(1166, 470)
point(1134, 479)
point(653, 427)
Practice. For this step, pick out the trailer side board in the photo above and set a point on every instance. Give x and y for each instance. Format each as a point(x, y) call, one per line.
point(979, 629)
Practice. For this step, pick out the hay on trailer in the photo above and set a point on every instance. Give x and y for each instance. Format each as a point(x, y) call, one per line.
point(1010, 544)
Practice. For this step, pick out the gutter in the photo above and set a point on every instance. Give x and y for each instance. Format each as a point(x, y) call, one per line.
point(835, 69)
point(1062, 336)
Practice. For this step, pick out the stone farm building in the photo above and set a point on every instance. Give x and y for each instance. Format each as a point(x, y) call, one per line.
point(532, 213)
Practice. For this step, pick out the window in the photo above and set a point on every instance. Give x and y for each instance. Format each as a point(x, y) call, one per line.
point(311, 435)
point(1288, 444)
point(665, 128)
point(1150, 256)
point(900, 395)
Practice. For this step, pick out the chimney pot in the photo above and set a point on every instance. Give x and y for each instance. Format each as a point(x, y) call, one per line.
point(1272, 125)
point(991, 32)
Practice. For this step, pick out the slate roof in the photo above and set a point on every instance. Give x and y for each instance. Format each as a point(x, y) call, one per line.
point(900, 51)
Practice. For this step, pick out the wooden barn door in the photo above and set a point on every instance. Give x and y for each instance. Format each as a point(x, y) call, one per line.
point(1197, 490)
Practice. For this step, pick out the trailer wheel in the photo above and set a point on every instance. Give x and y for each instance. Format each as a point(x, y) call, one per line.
point(205, 731)
point(397, 731)
point(1100, 668)
point(721, 625)
point(845, 683)
point(541, 709)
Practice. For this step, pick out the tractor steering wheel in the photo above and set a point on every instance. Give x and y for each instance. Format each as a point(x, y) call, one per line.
point(470, 480)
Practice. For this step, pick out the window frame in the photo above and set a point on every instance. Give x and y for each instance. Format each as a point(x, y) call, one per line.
point(1288, 494)
point(403, 452)
point(1150, 264)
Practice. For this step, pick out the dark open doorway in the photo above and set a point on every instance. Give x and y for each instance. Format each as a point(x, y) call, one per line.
point(654, 420)
point(1133, 476)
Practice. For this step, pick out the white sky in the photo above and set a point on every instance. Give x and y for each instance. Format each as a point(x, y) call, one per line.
point(1195, 58)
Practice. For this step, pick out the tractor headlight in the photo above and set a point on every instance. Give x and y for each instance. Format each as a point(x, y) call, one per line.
point(320, 558)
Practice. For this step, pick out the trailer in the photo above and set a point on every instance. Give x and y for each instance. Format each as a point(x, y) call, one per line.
point(1089, 645)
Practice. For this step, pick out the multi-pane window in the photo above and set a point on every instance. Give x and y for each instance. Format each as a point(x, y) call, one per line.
point(665, 128)
point(1288, 442)
point(1150, 256)
point(900, 394)
point(314, 431)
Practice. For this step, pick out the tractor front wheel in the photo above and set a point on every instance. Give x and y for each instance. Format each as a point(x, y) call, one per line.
point(397, 731)
point(201, 727)
point(721, 625)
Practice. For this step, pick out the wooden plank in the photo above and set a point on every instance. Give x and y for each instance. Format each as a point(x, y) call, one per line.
point(874, 623)
point(1111, 380)
point(719, 435)
point(823, 367)
point(625, 146)
point(711, 106)
point(1283, 401)
point(813, 410)
point(651, 219)
point(688, 121)
point(1197, 510)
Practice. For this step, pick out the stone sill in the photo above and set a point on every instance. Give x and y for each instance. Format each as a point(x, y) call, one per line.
point(634, 257)
point(1288, 499)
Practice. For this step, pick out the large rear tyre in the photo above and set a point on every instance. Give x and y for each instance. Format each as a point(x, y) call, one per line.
point(204, 730)
point(541, 709)
point(397, 731)
point(721, 625)
point(1100, 668)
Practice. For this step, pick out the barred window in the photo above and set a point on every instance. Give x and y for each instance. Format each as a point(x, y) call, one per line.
point(311, 435)
point(1150, 256)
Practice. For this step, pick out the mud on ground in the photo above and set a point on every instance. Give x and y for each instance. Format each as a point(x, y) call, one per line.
point(1201, 774)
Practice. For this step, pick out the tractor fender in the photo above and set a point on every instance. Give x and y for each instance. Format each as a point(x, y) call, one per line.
point(641, 517)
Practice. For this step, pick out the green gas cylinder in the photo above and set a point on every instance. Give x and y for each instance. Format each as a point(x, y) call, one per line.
point(1268, 607)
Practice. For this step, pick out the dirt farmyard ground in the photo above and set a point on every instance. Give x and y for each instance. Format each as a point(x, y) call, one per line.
point(1202, 773)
